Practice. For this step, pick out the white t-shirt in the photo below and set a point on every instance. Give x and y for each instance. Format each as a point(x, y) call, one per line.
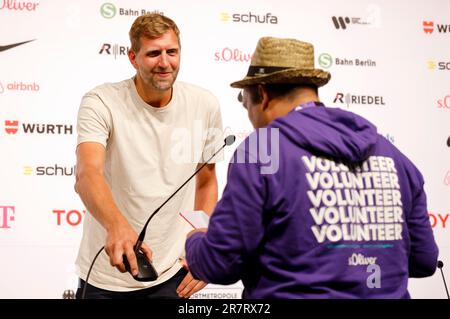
point(150, 152)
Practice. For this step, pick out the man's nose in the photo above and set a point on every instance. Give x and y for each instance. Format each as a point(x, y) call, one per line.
point(163, 60)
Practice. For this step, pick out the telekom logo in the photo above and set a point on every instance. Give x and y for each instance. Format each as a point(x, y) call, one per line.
point(6, 216)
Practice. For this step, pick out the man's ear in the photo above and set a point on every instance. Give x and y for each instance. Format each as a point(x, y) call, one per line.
point(132, 58)
point(264, 97)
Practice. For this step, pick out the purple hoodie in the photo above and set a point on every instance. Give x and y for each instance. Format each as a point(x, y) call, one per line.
point(335, 211)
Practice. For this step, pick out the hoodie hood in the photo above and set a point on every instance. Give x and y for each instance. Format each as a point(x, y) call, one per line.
point(337, 133)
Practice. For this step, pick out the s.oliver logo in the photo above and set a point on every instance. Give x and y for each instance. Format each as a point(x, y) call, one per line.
point(444, 103)
point(438, 220)
point(232, 55)
point(68, 217)
point(18, 5)
point(7, 216)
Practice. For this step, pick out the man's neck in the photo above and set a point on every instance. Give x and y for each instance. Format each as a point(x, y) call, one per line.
point(284, 106)
point(154, 98)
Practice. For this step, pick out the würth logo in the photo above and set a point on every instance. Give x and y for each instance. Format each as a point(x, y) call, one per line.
point(12, 127)
point(430, 26)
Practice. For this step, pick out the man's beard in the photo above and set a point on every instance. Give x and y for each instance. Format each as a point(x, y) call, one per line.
point(163, 84)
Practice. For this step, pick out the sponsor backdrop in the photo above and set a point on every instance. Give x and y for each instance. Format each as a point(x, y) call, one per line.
point(389, 61)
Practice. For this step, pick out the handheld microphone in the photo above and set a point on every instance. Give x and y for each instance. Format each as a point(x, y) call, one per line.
point(146, 271)
point(448, 141)
point(440, 266)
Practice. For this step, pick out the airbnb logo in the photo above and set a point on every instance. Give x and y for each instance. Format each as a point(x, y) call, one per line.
point(6, 216)
point(70, 217)
point(438, 220)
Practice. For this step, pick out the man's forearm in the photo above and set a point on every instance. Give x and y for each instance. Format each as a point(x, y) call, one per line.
point(97, 197)
point(206, 196)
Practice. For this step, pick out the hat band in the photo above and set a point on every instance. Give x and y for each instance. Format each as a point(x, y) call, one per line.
point(260, 70)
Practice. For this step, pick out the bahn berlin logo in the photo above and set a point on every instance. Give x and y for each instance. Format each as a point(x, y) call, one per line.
point(109, 10)
point(326, 61)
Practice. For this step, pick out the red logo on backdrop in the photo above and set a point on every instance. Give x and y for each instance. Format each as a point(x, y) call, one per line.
point(428, 26)
point(444, 103)
point(18, 5)
point(69, 217)
point(232, 55)
point(447, 179)
point(6, 216)
point(11, 127)
point(438, 220)
point(19, 86)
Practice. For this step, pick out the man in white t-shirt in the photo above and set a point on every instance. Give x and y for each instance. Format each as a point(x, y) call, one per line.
point(138, 141)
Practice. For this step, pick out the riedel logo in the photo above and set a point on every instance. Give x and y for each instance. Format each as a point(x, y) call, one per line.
point(438, 220)
point(349, 99)
point(114, 50)
point(249, 17)
point(429, 27)
point(19, 86)
point(6, 216)
point(232, 55)
point(51, 170)
point(12, 127)
point(18, 5)
point(68, 217)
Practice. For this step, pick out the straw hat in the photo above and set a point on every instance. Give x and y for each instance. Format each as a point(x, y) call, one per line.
point(277, 60)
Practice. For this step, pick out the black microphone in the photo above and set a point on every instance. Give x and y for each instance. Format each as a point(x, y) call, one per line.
point(448, 141)
point(440, 266)
point(146, 271)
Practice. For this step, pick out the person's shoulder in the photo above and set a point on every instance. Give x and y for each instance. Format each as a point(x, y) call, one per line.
point(195, 91)
point(109, 88)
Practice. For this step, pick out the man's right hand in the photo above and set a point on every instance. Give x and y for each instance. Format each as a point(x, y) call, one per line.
point(120, 241)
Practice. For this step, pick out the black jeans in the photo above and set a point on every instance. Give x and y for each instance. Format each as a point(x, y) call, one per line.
point(166, 290)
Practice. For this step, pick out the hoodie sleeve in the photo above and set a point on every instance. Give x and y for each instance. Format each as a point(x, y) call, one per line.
point(235, 228)
point(424, 251)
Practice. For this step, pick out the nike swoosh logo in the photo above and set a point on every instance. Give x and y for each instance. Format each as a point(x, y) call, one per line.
point(10, 46)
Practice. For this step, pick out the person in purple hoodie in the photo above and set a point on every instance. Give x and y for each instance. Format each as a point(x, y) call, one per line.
point(317, 204)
